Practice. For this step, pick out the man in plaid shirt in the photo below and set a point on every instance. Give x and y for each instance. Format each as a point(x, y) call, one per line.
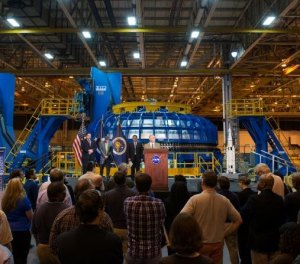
point(145, 217)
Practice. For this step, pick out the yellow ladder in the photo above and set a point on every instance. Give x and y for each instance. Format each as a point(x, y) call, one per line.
point(23, 136)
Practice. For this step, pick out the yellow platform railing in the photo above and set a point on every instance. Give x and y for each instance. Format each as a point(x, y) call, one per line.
point(65, 107)
point(245, 107)
point(67, 163)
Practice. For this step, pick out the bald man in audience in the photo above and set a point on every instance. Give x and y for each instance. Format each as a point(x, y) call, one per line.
point(265, 212)
point(278, 186)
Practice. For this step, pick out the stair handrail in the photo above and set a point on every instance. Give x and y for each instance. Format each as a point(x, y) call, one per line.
point(279, 136)
point(273, 158)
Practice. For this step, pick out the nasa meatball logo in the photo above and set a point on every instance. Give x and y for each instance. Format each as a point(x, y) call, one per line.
point(155, 159)
point(119, 146)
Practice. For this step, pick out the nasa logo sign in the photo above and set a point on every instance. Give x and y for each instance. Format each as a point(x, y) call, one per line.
point(155, 159)
point(119, 146)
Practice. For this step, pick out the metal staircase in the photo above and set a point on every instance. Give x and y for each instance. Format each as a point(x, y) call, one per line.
point(32, 144)
point(251, 116)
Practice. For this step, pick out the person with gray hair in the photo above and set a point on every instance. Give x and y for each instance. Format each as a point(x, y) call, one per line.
point(265, 213)
point(278, 187)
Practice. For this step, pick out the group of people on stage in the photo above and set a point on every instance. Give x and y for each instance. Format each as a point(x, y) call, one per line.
point(134, 152)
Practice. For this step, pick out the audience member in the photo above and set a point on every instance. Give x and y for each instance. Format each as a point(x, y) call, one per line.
point(31, 187)
point(243, 231)
point(211, 210)
point(177, 198)
point(44, 216)
point(186, 242)
point(123, 167)
point(289, 244)
point(287, 189)
point(145, 217)
point(95, 178)
point(6, 257)
point(231, 239)
point(278, 187)
point(266, 214)
point(56, 175)
point(68, 219)
point(5, 232)
point(88, 243)
point(17, 173)
point(70, 189)
point(114, 202)
point(292, 200)
point(18, 210)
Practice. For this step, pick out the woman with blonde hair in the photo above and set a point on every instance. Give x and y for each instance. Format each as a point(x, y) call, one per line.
point(18, 210)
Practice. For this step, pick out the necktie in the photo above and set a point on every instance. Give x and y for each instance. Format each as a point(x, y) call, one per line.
point(151, 145)
point(89, 141)
point(134, 148)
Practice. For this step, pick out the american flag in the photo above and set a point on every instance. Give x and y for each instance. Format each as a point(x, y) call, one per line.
point(77, 142)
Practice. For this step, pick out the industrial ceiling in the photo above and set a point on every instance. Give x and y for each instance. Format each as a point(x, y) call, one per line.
point(265, 66)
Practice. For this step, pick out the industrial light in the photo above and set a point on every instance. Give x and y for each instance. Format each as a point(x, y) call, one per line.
point(131, 21)
point(49, 56)
point(86, 34)
point(290, 69)
point(102, 63)
point(136, 55)
point(183, 63)
point(234, 54)
point(269, 20)
point(195, 34)
point(13, 22)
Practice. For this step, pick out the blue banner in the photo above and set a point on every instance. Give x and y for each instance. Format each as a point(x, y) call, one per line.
point(119, 146)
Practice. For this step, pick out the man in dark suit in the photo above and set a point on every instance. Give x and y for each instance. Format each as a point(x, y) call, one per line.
point(135, 155)
point(88, 147)
point(266, 214)
point(105, 150)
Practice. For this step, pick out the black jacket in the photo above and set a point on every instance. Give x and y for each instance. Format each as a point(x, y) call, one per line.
point(265, 213)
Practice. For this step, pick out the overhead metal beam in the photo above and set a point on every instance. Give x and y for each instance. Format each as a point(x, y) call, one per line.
point(178, 29)
point(152, 72)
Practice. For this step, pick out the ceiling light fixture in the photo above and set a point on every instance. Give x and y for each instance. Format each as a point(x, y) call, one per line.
point(49, 56)
point(102, 63)
point(195, 34)
point(13, 22)
point(234, 54)
point(269, 20)
point(131, 21)
point(136, 55)
point(183, 63)
point(86, 34)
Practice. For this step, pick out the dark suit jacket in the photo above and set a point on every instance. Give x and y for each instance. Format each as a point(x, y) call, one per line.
point(244, 195)
point(292, 206)
point(139, 151)
point(266, 214)
point(85, 146)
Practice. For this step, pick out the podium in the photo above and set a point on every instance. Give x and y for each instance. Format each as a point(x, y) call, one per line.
point(156, 165)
